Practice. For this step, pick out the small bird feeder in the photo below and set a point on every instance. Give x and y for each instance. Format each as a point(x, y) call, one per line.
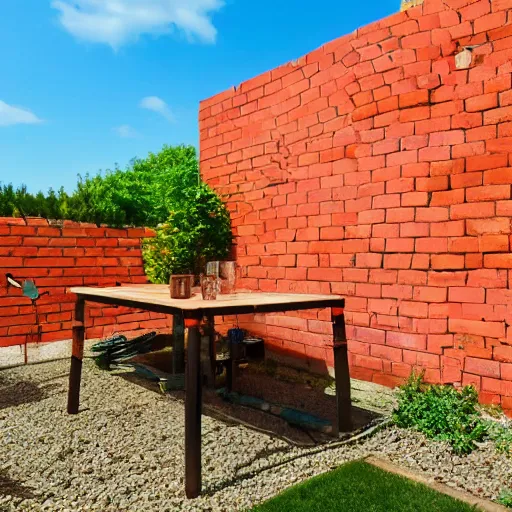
point(181, 286)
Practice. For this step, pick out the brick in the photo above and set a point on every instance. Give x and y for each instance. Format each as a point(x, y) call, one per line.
point(406, 340)
point(387, 353)
point(498, 176)
point(414, 199)
point(432, 214)
point(472, 179)
point(369, 260)
point(365, 112)
point(447, 198)
point(414, 114)
point(414, 229)
point(429, 294)
point(415, 98)
point(482, 163)
point(473, 261)
point(448, 138)
point(468, 211)
point(466, 294)
point(447, 261)
point(488, 193)
point(463, 244)
point(481, 133)
point(447, 278)
point(325, 274)
point(432, 245)
point(493, 243)
point(498, 260)
point(503, 353)
point(501, 145)
point(504, 208)
point(498, 115)
point(397, 261)
point(383, 276)
point(497, 225)
point(483, 102)
point(489, 329)
point(506, 371)
point(452, 228)
point(490, 21)
point(447, 168)
point(413, 309)
point(400, 245)
point(468, 150)
point(432, 184)
point(367, 335)
point(482, 367)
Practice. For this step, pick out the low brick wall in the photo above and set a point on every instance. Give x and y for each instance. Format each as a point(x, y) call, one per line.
point(379, 167)
point(57, 256)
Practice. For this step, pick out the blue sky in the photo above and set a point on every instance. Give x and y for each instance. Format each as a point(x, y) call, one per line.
point(85, 84)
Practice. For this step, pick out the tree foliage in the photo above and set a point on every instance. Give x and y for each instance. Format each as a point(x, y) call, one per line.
point(142, 195)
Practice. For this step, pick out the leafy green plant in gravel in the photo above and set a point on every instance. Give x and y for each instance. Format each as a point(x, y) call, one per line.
point(501, 435)
point(442, 413)
point(197, 231)
point(505, 498)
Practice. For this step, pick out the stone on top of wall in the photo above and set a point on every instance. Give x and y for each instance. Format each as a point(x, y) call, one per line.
point(407, 4)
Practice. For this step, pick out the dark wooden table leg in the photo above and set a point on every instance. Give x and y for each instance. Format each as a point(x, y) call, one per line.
point(193, 396)
point(77, 354)
point(342, 375)
point(178, 347)
point(212, 357)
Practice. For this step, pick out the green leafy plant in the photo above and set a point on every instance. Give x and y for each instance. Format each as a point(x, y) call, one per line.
point(505, 498)
point(197, 231)
point(442, 413)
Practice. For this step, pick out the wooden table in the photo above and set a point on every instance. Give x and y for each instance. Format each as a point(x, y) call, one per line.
point(156, 298)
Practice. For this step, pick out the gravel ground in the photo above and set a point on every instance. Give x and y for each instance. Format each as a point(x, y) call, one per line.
point(124, 451)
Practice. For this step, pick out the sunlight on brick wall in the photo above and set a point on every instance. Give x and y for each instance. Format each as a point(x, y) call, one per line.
point(379, 167)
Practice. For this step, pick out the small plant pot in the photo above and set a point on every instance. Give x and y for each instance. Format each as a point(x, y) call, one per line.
point(181, 286)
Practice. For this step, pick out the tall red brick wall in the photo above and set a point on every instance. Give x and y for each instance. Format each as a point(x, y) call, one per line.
point(375, 168)
point(57, 257)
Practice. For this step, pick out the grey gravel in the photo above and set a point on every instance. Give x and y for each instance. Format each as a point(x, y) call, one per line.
point(124, 451)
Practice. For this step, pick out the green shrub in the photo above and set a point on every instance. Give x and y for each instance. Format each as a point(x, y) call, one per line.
point(442, 413)
point(196, 232)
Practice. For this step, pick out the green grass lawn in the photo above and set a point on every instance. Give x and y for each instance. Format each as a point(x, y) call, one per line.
point(361, 487)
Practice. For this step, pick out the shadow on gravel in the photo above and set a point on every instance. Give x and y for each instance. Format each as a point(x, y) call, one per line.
point(12, 488)
point(22, 392)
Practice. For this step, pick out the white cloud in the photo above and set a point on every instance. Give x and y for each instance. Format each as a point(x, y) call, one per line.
point(10, 115)
point(117, 22)
point(157, 105)
point(125, 131)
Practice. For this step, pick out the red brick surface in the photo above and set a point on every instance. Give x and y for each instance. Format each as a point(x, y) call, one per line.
point(57, 257)
point(374, 168)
